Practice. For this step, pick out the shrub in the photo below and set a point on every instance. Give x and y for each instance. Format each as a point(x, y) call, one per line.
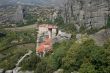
point(108, 22)
point(76, 57)
point(30, 62)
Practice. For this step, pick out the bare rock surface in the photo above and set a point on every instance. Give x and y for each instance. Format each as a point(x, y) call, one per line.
point(1, 70)
point(101, 37)
point(88, 13)
point(9, 71)
point(59, 71)
point(26, 72)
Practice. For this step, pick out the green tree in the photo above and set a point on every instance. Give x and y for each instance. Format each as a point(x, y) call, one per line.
point(108, 22)
point(59, 21)
point(30, 63)
point(98, 58)
point(87, 67)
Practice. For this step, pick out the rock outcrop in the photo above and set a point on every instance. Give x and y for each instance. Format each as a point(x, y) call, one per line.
point(1, 70)
point(18, 16)
point(9, 71)
point(26, 72)
point(89, 13)
point(101, 37)
point(59, 71)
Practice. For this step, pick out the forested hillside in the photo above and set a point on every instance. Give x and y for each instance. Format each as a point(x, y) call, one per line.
point(87, 51)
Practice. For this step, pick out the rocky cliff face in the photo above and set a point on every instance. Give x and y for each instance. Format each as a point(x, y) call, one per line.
point(18, 16)
point(89, 13)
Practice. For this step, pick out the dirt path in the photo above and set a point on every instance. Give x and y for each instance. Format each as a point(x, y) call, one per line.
point(17, 68)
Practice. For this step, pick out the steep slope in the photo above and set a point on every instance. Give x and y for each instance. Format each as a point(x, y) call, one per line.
point(58, 2)
point(29, 2)
point(5, 2)
point(33, 2)
point(87, 13)
point(101, 37)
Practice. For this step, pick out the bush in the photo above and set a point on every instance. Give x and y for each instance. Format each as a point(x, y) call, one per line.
point(77, 55)
point(10, 61)
point(13, 51)
point(87, 67)
point(44, 67)
point(30, 62)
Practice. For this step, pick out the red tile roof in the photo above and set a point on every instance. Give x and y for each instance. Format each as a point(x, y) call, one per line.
point(42, 47)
